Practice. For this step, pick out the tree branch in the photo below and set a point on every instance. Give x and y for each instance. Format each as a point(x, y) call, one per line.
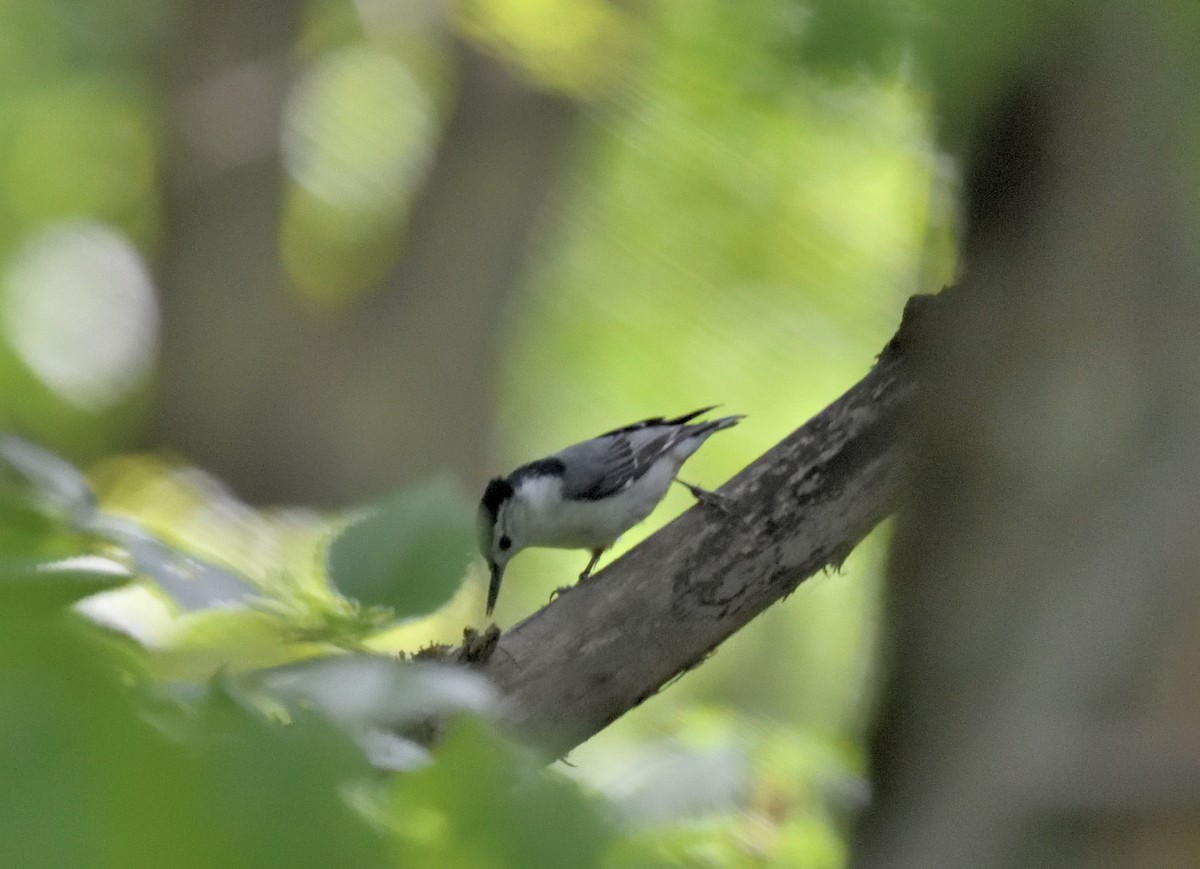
point(600, 649)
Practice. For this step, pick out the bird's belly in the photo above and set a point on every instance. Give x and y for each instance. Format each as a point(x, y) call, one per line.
point(597, 524)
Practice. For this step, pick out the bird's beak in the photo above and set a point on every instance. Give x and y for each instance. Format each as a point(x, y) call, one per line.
point(494, 585)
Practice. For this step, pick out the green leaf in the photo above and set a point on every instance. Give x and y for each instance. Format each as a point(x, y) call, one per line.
point(92, 779)
point(62, 486)
point(409, 552)
point(193, 583)
point(483, 803)
point(365, 690)
point(27, 531)
point(28, 584)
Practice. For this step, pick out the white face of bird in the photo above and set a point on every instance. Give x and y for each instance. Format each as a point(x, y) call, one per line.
point(496, 546)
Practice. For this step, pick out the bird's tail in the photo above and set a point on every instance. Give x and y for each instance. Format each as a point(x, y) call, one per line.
point(712, 426)
point(686, 417)
point(688, 438)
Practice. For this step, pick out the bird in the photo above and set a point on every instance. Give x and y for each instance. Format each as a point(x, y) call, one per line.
point(587, 495)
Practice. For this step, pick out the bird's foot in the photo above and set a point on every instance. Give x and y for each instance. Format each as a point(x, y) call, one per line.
point(586, 576)
point(583, 577)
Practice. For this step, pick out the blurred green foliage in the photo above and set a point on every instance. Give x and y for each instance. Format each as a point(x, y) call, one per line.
point(480, 805)
point(106, 767)
point(415, 534)
point(80, 140)
point(576, 47)
point(92, 778)
point(733, 229)
point(755, 189)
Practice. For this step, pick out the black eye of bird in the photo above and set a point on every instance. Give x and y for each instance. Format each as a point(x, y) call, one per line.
point(505, 543)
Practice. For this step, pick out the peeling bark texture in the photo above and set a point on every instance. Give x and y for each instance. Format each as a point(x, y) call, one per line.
point(609, 643)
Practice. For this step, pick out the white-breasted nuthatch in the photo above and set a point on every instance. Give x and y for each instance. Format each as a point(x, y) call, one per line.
point(589, 494)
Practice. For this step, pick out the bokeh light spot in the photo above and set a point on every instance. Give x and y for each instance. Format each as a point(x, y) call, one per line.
point(79, 309)
point(358, 130)
point(571, 45)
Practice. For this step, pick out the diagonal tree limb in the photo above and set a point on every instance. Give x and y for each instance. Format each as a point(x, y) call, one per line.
point(581, 662)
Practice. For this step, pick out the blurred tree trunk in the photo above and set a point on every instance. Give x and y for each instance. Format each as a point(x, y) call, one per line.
point(222, 285)
point(292, 403)
point(1042, 708)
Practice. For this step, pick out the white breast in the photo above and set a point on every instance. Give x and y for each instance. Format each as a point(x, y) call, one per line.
point(545, 519)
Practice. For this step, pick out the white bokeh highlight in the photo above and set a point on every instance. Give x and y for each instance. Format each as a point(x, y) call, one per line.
point(358, 129)
point(79, 309)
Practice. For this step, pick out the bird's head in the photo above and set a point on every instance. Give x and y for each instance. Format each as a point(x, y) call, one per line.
point(495, 537)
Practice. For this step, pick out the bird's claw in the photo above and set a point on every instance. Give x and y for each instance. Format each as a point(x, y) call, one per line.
point(558, 591)
point(713, 500)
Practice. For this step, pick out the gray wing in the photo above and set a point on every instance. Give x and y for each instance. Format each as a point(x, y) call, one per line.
point(597, 468)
